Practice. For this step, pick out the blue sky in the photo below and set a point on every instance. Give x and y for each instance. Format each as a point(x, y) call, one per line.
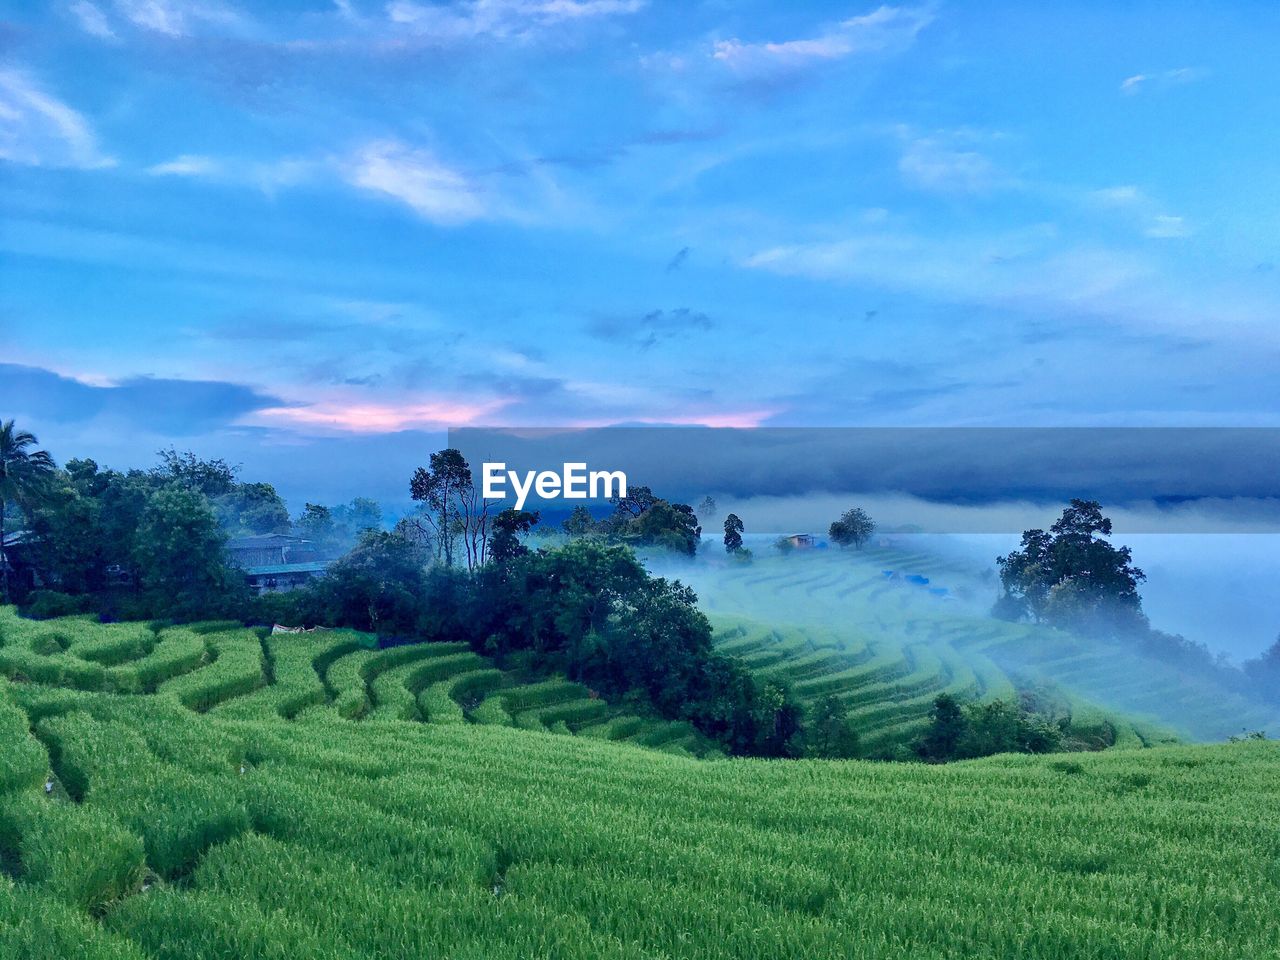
point(301, 234)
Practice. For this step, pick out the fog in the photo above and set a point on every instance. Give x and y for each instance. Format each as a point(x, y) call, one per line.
point(1213, 567)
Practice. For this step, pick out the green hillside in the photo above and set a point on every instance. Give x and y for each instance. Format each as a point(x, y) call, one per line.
point(237, 673)
point(187, 794)
point(862, 625)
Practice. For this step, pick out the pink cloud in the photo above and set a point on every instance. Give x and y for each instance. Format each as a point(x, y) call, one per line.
point(364, 417)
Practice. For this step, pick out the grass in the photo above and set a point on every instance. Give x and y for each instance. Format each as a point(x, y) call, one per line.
point(186, 834)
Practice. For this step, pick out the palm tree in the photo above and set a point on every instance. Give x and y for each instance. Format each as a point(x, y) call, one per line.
point(24, 475)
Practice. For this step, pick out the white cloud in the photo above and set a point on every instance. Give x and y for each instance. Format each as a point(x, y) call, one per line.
point(503, 19)
point(1134, 204)
point(1025, 267)
point(416, 178)
point(39, 130)
point(180, 18)
point(1164, 227)
point(932, 164)
point(886, 29)
point(1165, 78)
point(92, 20)
point(187, 165)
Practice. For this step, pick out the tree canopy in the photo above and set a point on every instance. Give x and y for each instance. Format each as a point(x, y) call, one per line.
point(1071, 576)
point(25, 477)
point(732, 533)
point(854, 527)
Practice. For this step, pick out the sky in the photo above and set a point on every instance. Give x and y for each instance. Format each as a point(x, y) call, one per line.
point(312, 235)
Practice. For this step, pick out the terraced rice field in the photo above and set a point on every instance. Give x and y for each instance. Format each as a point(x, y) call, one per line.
point(229, 671)
point(888, 628)
point(160, 800)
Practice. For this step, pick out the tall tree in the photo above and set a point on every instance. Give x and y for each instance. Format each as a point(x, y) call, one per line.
point(645, 519)
point(1071, 575)
point(1264, 671)
point(854, 527)
point(180, 556)
point(315, 523)
point(252, 508)
point(829, 733)
point(25, 475)
point(508, 527)
point(732, 533)
point(580, 523)
point(707, 508)
point(947, 724)
point(213, 478)
point(437, 487)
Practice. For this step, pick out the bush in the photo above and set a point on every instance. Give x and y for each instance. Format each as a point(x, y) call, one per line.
point(48, 604)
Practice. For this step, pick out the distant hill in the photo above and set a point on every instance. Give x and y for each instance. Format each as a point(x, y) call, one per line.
point(888, 628)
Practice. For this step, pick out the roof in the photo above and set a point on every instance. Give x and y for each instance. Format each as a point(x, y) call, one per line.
point(275, 569)
point(260, 540)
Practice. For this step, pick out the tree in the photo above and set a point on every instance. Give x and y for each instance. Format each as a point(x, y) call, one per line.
point(252, 508)
point(643, 519)
point(213, 478)
point(1264, 672)
point(315, 523)
point(25, 475)
point(580, 523)
point(947, 724)
point(634, 501)
point(379, 586)
point(180, 556)
point(454, 508)
point(1070, 576)
point(508, 527)
point(732, 533)
point(829, 733)
point(854, 527)
point(356, 517)
point(707, 509)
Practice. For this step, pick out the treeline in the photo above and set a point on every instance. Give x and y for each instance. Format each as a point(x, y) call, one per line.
point(965, 731)
point(142, 544)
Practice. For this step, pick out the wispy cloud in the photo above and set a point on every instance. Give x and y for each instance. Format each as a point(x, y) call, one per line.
point(37, 129)
point(187, 165)
point(1161, 79)
point(886, 29)
point(1142, 210)
point(1024, 267)
point(180, 18)
point(499, 19)
point(418, 179)
point(92, 20)
point(948, 163)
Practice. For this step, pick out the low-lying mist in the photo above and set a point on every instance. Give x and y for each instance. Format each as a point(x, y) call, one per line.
point(1213, 566)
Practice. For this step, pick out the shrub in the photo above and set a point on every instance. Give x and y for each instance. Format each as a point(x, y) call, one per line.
point(47, 604)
